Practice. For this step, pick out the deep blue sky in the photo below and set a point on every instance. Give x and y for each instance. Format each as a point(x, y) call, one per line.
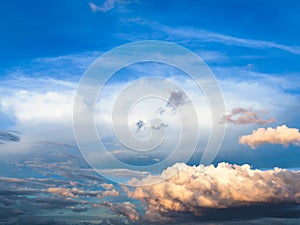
point(32, 29)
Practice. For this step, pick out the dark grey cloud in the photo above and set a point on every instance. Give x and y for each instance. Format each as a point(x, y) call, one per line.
point(177, 98)
point(37, 220)
point(257, 214)
point(8, 136)
point(140, 124)
point(160, 126)
point(123, 208)
point(8, 212)
point(79, 209)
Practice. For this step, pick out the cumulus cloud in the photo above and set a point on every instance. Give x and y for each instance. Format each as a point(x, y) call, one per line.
point(123, 208)
point(194, 189)
point(177, 98)
point(280, 135)
point(107, 186)
point(39, 106)
point(246, 116)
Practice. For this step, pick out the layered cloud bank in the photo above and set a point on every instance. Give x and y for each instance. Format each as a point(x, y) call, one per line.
point(195, 189)
point(280, 135)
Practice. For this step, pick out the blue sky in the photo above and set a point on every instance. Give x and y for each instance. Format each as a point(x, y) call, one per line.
point(253, 50)
point(35, 29)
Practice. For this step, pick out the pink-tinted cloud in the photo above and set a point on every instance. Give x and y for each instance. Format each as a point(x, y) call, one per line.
point(280, 135)
point(246, 116)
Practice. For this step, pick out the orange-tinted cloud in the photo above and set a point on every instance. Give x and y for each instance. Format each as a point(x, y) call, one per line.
point(280, 135)
point(193, 188)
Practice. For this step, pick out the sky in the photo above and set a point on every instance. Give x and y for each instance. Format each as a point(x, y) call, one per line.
point(173, 143)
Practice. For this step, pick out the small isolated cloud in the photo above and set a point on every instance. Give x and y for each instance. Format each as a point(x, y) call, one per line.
point(280, 135)
point(78, 209)
point(140, 124)
point(123, 208)
point(177, 98)
point(198, 189)
point(107, 6)
point(246, 116)
point(159, 126)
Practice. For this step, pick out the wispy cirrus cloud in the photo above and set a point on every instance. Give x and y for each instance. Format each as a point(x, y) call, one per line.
point(109, 5)
point(280, 135)
point(202, 35)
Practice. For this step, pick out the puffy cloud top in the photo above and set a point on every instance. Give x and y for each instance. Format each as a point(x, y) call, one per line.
point(279, 135)
point(194, 188)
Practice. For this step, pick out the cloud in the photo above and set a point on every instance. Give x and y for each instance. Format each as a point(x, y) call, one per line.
point(201, 35)
point(195, 189)
point(107, 6)
point(42, 107)
point(159, 126)
point(39, 107)
point(78, 209)
point(280, 135)
point(245, 116)
point(61, 191)
point(67, 183)
point(107, 186)
point(8, 136)
point(140, 124)
point(177, 98)
point(123, 208)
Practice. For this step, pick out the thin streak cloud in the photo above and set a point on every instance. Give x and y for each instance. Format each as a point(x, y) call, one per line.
point(202, 35)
